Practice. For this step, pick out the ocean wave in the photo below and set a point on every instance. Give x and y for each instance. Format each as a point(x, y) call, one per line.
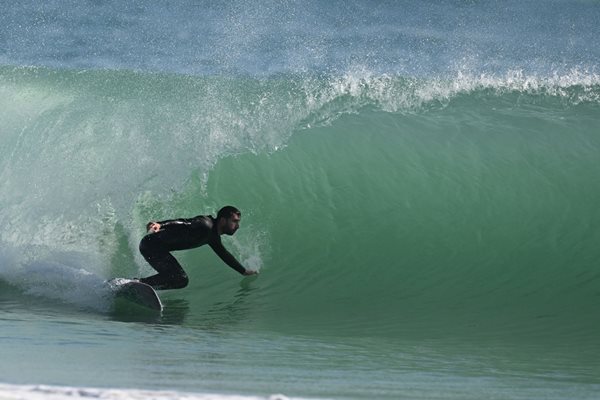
point(435, 191)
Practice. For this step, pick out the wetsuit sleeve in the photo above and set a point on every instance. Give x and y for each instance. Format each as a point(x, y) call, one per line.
point(227, 257)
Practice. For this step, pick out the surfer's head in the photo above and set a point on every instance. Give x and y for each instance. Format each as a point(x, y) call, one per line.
point(228, 220)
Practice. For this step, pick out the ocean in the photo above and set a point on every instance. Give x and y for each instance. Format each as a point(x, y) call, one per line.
point(419, 185)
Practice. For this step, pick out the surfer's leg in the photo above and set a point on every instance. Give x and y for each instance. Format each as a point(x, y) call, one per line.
point(174, 278)
point(170, 274)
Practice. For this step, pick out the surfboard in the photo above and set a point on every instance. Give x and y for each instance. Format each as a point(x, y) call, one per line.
point(136, 292)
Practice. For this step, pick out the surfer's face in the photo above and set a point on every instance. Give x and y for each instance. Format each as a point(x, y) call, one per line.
point(231, 224)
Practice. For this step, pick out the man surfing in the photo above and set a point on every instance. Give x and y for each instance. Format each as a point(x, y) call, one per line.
point(182, 234)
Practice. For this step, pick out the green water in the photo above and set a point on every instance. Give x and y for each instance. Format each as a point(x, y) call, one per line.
point(387, 223)
point(415, 238)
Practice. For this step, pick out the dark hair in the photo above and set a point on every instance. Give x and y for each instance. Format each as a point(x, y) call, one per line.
point(227, 211)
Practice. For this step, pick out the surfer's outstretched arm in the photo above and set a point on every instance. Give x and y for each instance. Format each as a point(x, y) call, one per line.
point(229, 259)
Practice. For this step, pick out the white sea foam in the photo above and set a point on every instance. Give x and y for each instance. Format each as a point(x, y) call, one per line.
point(43, 392)
point(393, 93)
point(55, 276)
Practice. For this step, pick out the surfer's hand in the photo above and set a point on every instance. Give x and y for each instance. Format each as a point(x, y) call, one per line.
point(250, 272)
point(153, 227)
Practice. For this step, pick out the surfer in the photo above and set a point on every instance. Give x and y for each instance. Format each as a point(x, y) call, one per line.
point(182, 234)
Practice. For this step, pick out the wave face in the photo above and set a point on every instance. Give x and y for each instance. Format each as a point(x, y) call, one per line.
point(373, 204)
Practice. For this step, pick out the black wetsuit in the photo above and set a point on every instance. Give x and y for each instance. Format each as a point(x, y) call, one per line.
point(181, 234)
